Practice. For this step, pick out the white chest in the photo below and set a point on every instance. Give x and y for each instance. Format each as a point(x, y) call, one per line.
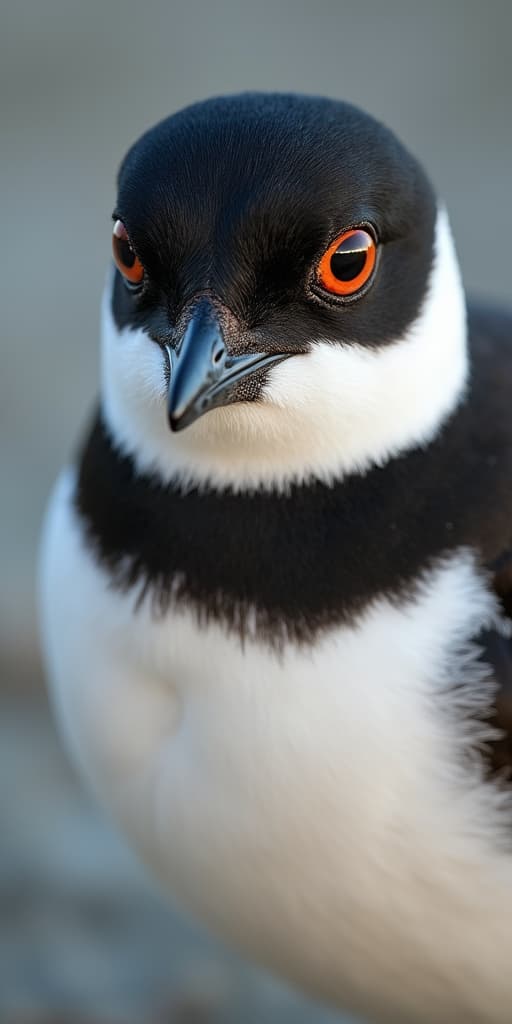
point(309, 806)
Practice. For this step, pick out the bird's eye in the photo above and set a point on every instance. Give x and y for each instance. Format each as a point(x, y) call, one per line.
point(126, 260)
point(348, 263)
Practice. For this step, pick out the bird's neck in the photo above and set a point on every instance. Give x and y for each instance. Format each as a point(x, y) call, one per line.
point(272, 563)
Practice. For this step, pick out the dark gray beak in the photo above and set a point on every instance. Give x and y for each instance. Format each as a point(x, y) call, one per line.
point(202, 373)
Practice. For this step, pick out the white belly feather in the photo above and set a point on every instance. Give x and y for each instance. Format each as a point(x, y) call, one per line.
point(317, 808)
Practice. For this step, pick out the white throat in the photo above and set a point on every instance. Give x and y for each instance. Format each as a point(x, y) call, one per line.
point(335, 411)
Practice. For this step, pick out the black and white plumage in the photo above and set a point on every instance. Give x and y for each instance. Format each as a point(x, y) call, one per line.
point(279, 636)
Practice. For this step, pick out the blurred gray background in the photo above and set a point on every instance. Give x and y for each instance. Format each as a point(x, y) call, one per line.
point(80, 929)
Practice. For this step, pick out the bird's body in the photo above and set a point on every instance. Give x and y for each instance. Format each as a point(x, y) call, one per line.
point(278, 640)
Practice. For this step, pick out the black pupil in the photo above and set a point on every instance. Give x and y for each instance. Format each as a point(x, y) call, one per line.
point(125, 253)
point(349, 259)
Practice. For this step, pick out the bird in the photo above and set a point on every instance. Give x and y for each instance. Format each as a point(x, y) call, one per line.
point(276, 576)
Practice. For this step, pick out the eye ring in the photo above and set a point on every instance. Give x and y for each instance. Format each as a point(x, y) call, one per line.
point(126, 260)
point(348, 264)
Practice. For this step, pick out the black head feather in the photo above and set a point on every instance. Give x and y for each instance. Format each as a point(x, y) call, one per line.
point(240, 197)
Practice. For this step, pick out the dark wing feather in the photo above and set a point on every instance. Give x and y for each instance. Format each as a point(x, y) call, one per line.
point(498, 653)
point(491, 350)
point(503, 582)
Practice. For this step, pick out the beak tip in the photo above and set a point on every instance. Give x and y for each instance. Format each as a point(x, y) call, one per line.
point(178, 419)
point(176, 423)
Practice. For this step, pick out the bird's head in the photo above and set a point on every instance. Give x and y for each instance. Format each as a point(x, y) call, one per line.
point(285, 301)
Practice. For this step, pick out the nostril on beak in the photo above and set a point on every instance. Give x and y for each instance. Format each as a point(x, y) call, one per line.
point(218, 352)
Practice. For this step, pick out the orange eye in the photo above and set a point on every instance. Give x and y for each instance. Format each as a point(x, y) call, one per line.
point(124, 256)
point(348, 262)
